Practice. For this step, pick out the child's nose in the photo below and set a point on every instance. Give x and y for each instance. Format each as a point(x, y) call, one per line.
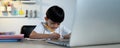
point(56, 25)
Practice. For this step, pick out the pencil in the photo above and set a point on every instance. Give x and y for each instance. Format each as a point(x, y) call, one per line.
point(51, 30)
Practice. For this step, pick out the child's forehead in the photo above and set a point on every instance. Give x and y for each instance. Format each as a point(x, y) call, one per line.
point(52, 21)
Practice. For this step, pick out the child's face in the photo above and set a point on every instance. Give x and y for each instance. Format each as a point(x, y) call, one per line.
point(52, 25)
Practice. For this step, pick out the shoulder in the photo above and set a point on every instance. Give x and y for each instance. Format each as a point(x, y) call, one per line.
point(40, 24)
point(39, 27)
point(64, 29)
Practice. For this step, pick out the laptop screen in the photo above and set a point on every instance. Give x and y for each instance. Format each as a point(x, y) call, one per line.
point(96, 22)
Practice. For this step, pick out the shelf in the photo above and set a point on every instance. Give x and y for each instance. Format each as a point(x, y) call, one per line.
point(21, 16)
point(28, 2)
point(17, 16)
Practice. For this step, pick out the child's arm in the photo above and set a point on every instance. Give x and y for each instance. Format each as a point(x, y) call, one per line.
point(35, 35)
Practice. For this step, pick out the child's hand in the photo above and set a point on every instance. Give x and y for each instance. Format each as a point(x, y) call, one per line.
point(55, 36)
point(66, 36)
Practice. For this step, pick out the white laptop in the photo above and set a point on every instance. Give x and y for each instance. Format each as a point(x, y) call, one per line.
point(97, 22)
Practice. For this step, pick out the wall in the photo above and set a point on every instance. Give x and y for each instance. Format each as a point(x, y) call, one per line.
point(14, 24)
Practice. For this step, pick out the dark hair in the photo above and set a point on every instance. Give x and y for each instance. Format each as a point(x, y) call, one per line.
point(55, 13)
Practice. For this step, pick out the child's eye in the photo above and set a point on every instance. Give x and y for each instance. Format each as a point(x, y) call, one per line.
point(52, 23)
point(56, 23)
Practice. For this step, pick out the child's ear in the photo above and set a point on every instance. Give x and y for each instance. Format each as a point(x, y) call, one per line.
point(46, 18)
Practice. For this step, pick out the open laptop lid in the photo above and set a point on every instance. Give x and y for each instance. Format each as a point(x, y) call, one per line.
point(96, 22)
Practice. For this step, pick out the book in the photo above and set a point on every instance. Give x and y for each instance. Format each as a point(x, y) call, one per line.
point(10, 40)
point(21, 36)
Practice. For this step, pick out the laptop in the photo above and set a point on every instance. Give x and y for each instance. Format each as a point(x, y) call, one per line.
point(97, 22)
point(60, 42)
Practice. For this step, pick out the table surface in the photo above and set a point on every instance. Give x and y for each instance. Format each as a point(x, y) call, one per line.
point(43, 44)
point(28, 44)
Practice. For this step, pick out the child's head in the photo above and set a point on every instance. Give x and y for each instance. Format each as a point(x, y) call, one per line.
point(54, 16)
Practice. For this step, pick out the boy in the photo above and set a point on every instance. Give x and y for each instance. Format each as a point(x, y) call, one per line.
point(51, 29)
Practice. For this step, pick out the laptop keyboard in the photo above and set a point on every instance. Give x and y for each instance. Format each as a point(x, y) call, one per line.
point(61, 43)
